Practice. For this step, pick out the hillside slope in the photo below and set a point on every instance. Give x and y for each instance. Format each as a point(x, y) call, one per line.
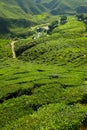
point(68, 6)
point(45, 87)
point(18, 15)
point(66, 44)
point(25, 13)
point(22, 8)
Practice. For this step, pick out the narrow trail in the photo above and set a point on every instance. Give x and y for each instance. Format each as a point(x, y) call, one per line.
point(13, 48)
point(83, 128)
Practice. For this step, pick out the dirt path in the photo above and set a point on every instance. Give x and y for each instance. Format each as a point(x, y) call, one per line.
point(83, 128)
point(13, 50)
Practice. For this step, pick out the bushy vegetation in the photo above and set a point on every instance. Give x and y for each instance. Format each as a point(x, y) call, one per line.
point(63, 20)
point(66, 44)
point(18, 14)
point(11, 27)
point(5, 49)
point(53, 116)
point(50, 91)
point(26, 87)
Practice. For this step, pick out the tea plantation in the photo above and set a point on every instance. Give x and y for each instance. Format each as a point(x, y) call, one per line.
point(45, 86)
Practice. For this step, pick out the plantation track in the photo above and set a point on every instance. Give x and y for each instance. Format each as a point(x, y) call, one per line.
point(83, 128)
point(13, 50)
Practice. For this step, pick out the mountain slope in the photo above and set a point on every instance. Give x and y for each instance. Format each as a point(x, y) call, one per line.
point(20, 8)
point(23, 8)
point(16, 14)
point(67, 6)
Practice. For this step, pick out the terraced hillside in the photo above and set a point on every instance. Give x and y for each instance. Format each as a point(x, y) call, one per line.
point(45, 87)
point(66, 44)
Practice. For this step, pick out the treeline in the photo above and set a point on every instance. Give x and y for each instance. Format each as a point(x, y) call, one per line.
point(54, 24)
point(83, 18)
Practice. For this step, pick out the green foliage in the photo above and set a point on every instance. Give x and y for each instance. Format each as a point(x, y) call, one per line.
point(53, 25)
point(66, 44)
point(83, 18)
point(26, 87)
point(67, 7)
point(9, 25)
point(80, 17)
point(53, 116)
point(63, 20)
point(21, 8)
point(50, 91)
point(19, 14)
point(4, 26)
point(5, 49)
point(12, 110)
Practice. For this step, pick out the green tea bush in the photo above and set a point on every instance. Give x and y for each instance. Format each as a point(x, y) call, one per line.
point(53, 116)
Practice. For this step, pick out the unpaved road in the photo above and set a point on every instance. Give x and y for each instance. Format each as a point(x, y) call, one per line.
point(13, 48)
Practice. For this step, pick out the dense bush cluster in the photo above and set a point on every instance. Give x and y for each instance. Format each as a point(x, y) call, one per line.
point(50, 91)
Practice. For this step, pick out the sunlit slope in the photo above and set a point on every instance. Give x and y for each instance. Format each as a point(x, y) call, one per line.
point(66, 44)
point(33, 94)
point(47, 88)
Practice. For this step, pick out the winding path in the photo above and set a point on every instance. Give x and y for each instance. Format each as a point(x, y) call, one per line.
point(13, 48)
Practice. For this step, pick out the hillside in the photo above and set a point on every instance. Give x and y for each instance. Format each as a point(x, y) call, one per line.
point(20, 8)
point(45, 86)
point(66, 44)
point(43, 65)
point(67, 6)
point(17, 16)
point(23, 8)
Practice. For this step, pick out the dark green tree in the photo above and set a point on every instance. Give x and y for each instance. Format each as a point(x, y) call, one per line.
point(63, 19)
point(80, 17)
point(85, 19)
point(53, 25)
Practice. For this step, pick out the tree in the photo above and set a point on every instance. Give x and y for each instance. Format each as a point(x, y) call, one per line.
point(85, 19)
point(53, 25)
point(80, 17)
point(63, 19)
